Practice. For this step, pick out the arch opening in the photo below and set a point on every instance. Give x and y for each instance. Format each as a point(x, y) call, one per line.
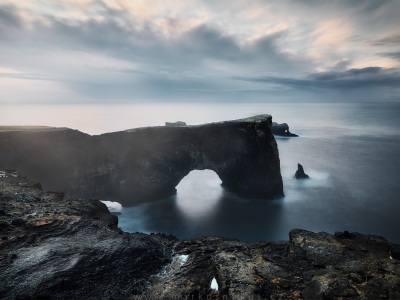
point(199, 193)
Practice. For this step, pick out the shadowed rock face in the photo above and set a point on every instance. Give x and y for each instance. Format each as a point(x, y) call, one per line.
point(51, 248)
point(148, 163)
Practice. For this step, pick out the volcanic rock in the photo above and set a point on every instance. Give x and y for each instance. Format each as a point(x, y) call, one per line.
point(300, 173)
point(282, 130)
point(73, 249)
point(148, 163)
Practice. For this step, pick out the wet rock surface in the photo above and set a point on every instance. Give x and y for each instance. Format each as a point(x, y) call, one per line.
point(148, 163)
point(73, 249)
point(52, 248)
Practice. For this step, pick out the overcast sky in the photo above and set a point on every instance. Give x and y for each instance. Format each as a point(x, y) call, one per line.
point(192, 50)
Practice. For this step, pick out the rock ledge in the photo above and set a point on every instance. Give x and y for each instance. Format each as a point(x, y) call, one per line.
point(51, 248)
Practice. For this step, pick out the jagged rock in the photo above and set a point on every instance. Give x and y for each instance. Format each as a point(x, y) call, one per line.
point(300, 173)
point(76, 251)
point(72, 249)
point(175, 124)
point(148, 163)
point(282, 130)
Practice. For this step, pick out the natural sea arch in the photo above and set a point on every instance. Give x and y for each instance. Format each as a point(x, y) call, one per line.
point(144, 164)
point(198, 194)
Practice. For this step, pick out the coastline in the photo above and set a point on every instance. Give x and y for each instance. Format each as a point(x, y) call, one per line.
point(55, 249)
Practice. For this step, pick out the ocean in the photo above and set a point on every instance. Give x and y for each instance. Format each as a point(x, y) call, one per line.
point(351, 151)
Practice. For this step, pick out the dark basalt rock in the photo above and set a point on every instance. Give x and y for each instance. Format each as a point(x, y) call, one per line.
point(148, 163)
point(282, 130)
point(18, 222)
point(73, 249)
point(300, 173)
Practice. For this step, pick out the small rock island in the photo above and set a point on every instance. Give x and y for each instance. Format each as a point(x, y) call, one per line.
point(282, 130)
point(300, 174)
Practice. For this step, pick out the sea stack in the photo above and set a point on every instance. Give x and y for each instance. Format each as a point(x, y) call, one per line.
point(300, 173)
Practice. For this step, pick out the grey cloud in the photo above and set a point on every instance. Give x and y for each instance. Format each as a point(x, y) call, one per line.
point(207, 41)
point(368, 5)
point(372, 77)
point(200, 60)
point(393, 40)
point(341, 65)
point(393, 55)
point(9, 17)
point(347, 74)
point(147, 45)
point(363, 6)
point(117, 36)
point(265, 48)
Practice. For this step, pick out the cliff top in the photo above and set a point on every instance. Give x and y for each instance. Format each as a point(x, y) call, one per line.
point(33, 128)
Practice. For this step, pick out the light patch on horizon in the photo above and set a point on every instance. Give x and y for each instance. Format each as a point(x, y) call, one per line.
point(382, 62)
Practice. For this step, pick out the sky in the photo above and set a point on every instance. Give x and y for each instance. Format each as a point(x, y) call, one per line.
point(212, 50)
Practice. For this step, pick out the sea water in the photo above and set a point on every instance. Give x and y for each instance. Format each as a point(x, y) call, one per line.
point(351, 151)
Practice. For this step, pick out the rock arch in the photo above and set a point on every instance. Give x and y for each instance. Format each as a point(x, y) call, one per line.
point(148, 163)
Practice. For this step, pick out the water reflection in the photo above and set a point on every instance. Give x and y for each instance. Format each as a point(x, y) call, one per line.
point(197, 206)
point(202, 207)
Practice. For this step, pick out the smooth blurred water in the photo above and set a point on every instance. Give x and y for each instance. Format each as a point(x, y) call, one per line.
point(351, 152)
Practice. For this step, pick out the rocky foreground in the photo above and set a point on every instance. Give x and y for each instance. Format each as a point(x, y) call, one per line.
point(52, 248)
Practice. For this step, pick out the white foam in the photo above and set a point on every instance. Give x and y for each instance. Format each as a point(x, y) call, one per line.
point(214, 284)
point(182, 258)
point(177, 261)
point(113, 206)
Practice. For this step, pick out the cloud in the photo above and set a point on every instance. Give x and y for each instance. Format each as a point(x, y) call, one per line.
point(392, 55)
point(198, 59)
point(392, 40)
point(129, 50)
point(371, 77)
point(9, 17)
point(25, 76)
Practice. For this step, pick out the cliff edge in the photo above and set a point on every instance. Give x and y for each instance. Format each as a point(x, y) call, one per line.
point(148, 163)
point(51, 248)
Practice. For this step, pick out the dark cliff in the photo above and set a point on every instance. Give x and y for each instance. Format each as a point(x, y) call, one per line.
point(52, 248)
point(148, 163)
